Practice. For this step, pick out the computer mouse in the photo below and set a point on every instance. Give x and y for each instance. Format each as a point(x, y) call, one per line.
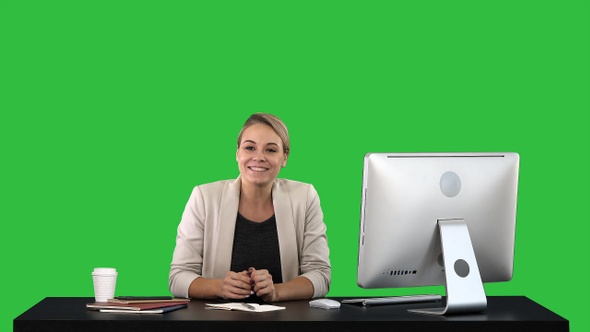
point(324, 304)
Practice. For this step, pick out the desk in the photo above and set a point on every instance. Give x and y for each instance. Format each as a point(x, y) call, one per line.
point(504, 313)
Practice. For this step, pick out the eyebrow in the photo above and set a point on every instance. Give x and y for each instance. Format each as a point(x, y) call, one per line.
point(251, 141)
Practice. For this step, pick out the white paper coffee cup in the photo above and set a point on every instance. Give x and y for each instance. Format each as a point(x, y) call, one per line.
point(105, 281)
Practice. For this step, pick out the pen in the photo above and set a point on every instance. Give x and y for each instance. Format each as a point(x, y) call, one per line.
point(249, 306)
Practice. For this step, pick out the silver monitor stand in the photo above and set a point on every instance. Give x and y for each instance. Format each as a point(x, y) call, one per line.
point(463, 283)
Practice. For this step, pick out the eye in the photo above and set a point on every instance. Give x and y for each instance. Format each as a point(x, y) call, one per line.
point(271, 150)
point(249, 148)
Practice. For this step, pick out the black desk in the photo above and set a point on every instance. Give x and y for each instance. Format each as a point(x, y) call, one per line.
point(504, 313)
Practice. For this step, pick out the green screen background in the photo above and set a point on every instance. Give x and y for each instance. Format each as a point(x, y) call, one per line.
point(111, 111)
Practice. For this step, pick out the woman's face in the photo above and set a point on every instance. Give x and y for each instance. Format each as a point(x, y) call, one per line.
point(260, 155)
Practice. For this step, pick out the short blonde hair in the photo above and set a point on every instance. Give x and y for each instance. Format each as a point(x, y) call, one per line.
point(272, 121)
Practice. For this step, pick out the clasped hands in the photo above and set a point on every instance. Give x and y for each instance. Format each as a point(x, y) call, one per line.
point(240, 285)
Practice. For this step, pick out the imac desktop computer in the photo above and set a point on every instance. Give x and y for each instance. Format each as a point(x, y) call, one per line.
point(432, 219)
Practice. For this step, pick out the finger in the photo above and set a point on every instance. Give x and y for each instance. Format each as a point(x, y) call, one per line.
point(251, 270)
point(241, 284)
point(230, 291)
point(242, 277)
point(236, 296)
point(261, 275)
point(265, 290)
point(236, 284)
point(241, 293)
point(262, 281)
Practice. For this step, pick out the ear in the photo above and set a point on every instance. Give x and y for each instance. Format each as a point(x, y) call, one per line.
point(284, 162)
point(237, 157)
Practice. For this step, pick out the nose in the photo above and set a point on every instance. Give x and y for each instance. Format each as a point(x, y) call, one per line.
point(259, 157)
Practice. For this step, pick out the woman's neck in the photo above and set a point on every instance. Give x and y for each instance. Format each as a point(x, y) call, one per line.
point(256, 202)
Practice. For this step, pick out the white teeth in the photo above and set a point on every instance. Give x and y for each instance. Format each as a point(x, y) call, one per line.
point(258, 169)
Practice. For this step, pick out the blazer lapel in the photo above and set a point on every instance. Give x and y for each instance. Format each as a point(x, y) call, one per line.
point(286, 231)
point(226, 225)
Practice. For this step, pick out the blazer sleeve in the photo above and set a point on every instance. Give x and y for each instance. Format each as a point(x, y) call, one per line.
point(315, 262)
point(187, 259)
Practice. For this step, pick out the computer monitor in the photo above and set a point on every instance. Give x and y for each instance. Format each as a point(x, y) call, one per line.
point(438, 219)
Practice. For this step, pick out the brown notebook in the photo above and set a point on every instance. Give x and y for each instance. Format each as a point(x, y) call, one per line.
point(133, 306)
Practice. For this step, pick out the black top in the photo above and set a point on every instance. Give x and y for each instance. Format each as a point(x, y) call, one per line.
point(256, 244)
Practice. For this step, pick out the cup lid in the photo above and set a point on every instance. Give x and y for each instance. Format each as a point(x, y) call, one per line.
point(104, 270)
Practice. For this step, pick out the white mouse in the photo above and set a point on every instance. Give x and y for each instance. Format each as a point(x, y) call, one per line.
point(324, 304)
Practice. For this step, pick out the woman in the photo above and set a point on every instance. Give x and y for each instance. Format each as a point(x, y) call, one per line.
point(256, 237)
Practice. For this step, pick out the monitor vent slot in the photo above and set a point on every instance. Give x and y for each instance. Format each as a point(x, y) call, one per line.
point(400, 272)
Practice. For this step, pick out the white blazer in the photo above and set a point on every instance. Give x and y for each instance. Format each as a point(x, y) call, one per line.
point(205, 234)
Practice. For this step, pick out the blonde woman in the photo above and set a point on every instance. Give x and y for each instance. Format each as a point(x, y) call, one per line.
point(255, 238)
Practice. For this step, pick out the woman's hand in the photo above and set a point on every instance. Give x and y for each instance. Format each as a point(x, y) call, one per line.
point(236, 285)
point(262, 284)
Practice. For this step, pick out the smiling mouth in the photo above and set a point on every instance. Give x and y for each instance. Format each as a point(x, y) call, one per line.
point(257, 169)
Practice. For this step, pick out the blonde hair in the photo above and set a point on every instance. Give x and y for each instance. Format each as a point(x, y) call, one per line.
point(272, 121)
